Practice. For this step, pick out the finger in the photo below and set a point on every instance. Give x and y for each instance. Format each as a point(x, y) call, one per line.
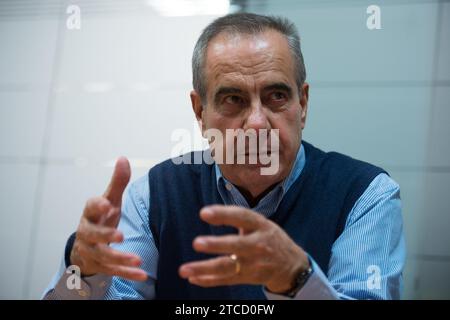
point(223, 266)
point(96, 208)
point(112, 218)
point(95, 233)
point(119, 181)
point(235, 216)
point(214, 281)
point(129, 273)
point(227, 244)
point(109, 256)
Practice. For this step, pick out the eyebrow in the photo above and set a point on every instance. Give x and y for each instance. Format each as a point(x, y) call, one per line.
point(279, 86)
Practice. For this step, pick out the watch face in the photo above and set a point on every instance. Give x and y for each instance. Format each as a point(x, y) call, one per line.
point(302, 278)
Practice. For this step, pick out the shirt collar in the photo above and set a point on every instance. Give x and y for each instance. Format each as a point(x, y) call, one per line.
point(229, 195)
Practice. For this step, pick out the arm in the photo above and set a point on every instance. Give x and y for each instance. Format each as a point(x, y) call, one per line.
point(371, 244)
point(138, 240)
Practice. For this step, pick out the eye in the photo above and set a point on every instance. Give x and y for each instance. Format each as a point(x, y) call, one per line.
point(276, 99)
point(277, 96)
point(233, 100)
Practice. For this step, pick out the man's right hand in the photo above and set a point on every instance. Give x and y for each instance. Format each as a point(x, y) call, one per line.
point(98, 228)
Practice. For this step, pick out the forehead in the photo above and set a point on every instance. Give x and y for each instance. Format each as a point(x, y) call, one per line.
point(238, 58)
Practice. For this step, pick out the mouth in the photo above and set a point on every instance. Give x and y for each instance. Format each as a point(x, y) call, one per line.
point(248, 156)
point(268, 153)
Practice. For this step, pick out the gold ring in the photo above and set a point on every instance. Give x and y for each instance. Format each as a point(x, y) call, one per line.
point(236, 263)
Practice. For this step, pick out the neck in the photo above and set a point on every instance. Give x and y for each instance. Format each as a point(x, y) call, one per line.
point(253, 200)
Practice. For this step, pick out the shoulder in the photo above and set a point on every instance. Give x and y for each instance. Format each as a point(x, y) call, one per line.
point(340, 169)
point(381, 199)
point(336, 160)
point(186, 166)
point(191, 160)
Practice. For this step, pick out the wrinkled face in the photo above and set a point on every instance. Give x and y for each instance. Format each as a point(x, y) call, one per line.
point(251, 84)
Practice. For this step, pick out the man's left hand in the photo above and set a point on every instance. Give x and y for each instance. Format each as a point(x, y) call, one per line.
point(264, 254)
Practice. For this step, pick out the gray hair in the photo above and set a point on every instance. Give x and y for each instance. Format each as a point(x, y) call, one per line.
point(245, 23)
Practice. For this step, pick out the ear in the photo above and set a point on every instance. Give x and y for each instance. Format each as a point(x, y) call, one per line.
point(198, 109)
point(304, 103)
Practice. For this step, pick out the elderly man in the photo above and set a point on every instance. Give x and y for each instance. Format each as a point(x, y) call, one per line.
point(322, 226)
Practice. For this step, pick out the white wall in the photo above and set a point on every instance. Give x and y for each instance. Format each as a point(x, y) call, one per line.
point(72, 101)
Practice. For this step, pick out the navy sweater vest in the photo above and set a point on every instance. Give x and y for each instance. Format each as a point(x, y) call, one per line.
point(313, 213)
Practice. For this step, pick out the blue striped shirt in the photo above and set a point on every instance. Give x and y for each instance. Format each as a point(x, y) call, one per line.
point(366, 260)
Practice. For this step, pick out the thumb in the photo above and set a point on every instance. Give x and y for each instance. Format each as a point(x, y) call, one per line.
point(119, 181)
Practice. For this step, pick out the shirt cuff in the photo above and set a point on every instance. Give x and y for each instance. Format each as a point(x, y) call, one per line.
point(67, 285)
point(90, 288)
point(317, 287)
point(68, 248)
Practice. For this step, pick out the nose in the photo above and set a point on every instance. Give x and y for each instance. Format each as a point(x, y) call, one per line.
point(256, 118)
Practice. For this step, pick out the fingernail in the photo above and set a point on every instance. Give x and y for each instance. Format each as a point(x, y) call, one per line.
point(118, 236)
point(207, 212)
point(136, 261)
point(200, 242)
point(144, 277)
point(192, 280)
point(185, 271)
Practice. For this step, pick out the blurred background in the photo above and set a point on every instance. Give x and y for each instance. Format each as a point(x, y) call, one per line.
point(73, 100)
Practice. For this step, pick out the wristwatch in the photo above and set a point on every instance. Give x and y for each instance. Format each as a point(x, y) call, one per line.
point(300, 281)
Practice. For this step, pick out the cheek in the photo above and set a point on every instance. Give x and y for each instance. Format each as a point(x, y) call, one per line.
point(289, 126)
point(217, 121)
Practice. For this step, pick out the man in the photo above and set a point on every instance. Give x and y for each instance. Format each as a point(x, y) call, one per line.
point(323, 226)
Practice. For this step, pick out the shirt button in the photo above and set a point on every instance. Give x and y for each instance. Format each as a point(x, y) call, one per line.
point(228, 186)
